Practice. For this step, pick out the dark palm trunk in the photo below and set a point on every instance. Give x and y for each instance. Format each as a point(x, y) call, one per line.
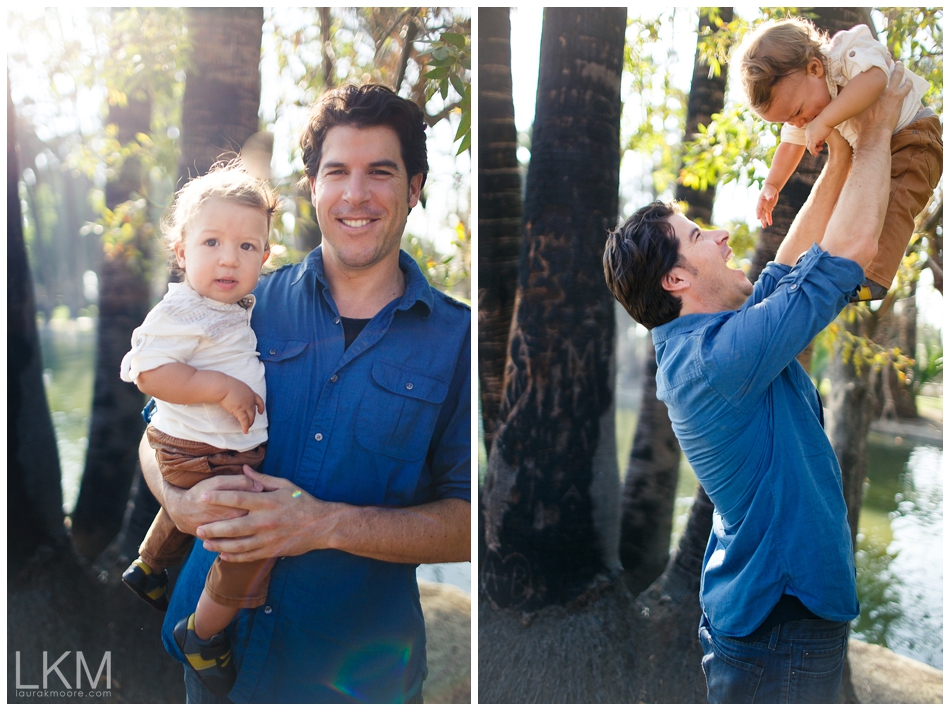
point(706, 97)
point(34, 494)
point(123, 303)
point(499, 209)
point(223, 91)
point(554, 449)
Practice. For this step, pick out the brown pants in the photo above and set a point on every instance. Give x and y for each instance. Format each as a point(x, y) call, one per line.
point(184, 463)
point(916, 167)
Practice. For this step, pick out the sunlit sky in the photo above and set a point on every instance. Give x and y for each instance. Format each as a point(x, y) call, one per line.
point(734, 203)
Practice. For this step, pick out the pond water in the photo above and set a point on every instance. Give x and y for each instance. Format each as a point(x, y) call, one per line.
point(68, 357)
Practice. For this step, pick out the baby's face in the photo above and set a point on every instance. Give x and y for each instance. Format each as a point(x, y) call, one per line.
point(799, 97)
point(224, 248)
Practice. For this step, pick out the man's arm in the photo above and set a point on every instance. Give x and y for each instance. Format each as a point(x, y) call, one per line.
point(855, 227)
point(287, 521)
point(810, 222)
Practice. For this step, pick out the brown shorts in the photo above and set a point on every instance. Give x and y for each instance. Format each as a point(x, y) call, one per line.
point(184, 463)
point(916, 167)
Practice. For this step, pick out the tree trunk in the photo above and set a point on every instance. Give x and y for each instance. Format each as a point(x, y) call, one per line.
point(649, 489)
point(116, 424)
point(706, 97)
point(223, 90)
point(499, 209)
point(551, 486)
point(34, 493)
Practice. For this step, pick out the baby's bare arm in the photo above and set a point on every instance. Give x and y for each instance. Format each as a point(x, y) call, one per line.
point(859, 93)
point(182, 384)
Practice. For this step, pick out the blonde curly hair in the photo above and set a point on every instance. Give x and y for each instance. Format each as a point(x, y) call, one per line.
point(227, 180)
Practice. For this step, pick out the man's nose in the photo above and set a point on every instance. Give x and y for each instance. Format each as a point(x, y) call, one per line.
point(357, 189)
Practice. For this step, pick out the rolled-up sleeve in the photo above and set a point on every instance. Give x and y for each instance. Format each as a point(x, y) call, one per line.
point(747, 351)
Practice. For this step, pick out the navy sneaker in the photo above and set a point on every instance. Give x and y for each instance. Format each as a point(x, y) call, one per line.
point(149, 585)
point(210, 659)
point(869, 291)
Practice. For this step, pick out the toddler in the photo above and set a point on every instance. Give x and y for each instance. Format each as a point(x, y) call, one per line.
point(196, 355)
point(792, 74)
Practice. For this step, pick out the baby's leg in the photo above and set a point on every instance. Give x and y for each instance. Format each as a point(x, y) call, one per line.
point(211, 617)
point(916, 167)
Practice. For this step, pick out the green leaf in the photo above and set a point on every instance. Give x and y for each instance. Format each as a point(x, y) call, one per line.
point(454, 39)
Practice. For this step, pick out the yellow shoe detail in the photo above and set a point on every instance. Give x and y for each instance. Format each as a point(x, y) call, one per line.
point(864, 293)
point(198, 663)
point(139, 563)
point(191, 622)
point(156, 593)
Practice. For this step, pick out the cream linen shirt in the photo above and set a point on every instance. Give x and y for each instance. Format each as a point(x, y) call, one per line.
point(186, 327)
point(852, 52)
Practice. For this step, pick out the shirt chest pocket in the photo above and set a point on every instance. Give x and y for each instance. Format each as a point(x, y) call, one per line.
point(283, 364)
point(399, 410)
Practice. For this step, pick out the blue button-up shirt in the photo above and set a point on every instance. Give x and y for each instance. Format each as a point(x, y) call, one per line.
point(384, 423)
point(750, 422)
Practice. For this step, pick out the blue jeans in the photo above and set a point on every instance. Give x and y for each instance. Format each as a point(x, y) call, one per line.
point(197, 693)
point(799, 662)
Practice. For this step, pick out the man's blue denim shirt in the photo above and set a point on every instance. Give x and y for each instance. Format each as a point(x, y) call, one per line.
point(750, 422)
point(385, 423)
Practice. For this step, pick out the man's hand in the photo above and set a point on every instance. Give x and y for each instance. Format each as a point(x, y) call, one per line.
point(816, 133)
point(766, 203)
point(185, 506)
point(242, 403)
point(284, 520)
point(884, 114)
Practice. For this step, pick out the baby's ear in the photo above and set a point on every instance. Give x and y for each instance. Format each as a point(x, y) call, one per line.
point(815, 67)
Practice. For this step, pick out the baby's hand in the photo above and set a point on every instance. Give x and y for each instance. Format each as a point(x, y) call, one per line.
point(815, 134)
point(243, 403)
point(763, 208)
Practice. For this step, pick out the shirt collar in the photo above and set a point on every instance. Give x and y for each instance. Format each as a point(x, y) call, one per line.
point(418, 289)
point(682, 325)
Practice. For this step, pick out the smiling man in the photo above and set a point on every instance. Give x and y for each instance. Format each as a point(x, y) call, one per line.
point(778, 582)
point(368, 463)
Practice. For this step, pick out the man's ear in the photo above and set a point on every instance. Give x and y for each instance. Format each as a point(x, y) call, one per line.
point(676, 279)
point(415, 189)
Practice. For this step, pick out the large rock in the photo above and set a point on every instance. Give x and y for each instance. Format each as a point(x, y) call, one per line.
point(448, 613)
point(880, 676)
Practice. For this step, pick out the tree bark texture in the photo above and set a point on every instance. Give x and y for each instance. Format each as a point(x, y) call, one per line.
point(223, 90)
point(499, 209)
point(706, 97)
point(551, 487)
point(34, 493)
point(116, 423)
point(649, 489)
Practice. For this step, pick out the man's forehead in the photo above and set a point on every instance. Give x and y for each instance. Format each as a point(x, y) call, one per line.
point(354, 144)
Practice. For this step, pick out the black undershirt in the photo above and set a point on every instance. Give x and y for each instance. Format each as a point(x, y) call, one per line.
point(787, 609)
point(352, 327)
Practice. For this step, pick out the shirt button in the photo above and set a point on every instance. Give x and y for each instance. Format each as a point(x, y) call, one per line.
point(793, 287)
point(138, 341)
point(851, 53)
point(268, 610)
point(318, 436)
point(273, 351)
point(333, 378)
point(408, 386)
point(336, 320)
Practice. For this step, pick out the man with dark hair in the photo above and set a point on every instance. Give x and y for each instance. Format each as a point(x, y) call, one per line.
point(778, 583)
point(367, 370)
